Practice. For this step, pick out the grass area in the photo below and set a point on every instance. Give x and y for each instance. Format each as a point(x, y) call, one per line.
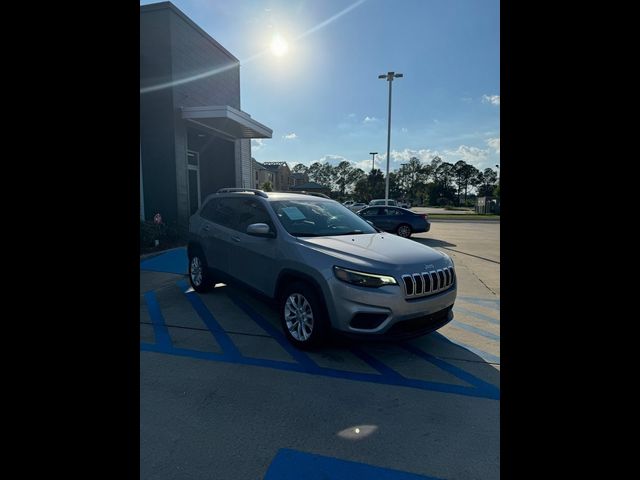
point(474, 216)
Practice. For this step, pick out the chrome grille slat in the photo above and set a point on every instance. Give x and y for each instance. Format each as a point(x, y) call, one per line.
point(427, 282)
point(421, 284)
point(417, 280)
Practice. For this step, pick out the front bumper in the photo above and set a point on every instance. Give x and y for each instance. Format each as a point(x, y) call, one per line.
point(395, 316)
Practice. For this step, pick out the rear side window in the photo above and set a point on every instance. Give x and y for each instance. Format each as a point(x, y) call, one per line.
point(220, 211)
point(208, 209)
point(370, 212)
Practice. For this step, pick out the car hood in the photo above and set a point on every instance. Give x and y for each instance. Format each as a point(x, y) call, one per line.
point(376, 250)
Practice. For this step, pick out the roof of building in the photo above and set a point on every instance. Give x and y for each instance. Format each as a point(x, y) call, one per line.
point(177, 11)
point(275, 165)
point(310, 186)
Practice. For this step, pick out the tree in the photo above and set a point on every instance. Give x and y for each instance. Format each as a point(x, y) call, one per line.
point(321, 173)
point(372, 186)
point(267, 187)
point(485, 181)
point(300, 168)
point(464, 174)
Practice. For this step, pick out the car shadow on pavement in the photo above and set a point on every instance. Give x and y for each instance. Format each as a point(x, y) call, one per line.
point(433, 242)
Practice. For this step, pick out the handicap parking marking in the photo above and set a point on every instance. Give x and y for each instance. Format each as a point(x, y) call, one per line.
point(489, 303)
point(486, 356)
point(171, 261)
point(157, 320)
point(476, 314)
point(302, 363)
point(291, 464)
point(228, 347)
point(476, 330)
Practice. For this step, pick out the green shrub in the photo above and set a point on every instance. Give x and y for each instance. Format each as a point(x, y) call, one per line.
point(168, 235)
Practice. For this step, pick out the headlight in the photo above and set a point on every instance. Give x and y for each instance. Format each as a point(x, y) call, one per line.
point(363, 279)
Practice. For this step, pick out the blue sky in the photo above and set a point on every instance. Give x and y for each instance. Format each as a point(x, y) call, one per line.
point(323, 99)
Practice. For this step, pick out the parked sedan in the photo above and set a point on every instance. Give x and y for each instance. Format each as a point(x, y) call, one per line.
point(397, 220)
point(355, 207)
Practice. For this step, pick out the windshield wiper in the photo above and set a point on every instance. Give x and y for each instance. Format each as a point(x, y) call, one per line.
point(352, 232)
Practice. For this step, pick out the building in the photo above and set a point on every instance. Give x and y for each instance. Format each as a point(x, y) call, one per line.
point(194, 136)
point(281, 173)
point(312, 187)
point(261, 175)
point(298, 178)
point(487, 205)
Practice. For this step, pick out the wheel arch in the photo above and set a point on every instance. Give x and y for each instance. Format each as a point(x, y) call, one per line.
point(287, 276)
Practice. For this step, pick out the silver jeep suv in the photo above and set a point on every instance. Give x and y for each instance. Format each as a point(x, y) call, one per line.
point(327, 268)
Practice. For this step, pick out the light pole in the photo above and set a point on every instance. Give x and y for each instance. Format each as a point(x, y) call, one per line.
point(373, 160)
point(389, 76)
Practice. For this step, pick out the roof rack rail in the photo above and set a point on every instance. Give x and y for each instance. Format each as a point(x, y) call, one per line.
point(315, 194)
point(255, 191)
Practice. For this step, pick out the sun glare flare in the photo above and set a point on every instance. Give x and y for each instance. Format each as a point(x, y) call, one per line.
point(279, 46)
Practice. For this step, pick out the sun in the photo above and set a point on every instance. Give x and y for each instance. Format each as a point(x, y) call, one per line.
point(279, 46)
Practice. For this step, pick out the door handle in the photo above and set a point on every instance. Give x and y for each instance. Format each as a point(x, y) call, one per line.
point(235, 239)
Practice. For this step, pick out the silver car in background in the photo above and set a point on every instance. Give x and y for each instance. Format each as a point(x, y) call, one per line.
point(327, 268)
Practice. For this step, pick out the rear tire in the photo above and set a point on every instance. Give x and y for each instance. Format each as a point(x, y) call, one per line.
point(199, 275)
point(404, 231)
point(303, 316)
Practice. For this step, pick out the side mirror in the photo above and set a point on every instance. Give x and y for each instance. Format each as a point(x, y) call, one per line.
point(259, 230)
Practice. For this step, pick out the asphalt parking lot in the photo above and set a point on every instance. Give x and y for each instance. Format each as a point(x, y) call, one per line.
point(224, 396)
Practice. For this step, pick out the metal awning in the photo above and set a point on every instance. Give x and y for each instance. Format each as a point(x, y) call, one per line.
point(226, 120)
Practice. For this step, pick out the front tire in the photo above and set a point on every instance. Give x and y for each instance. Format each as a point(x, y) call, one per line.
point(303, 316)
point(199, 276)
point(404, 231)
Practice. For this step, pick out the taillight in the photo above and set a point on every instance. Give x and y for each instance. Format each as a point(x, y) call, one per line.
point(424, 215)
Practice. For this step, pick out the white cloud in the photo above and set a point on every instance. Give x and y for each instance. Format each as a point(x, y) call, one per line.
point(352, 115)
point(370, 119)
point(404, 130)
point(492, 99)
point(495, 144)
point(478, 157)
point(332, 159)
point(403, 156)
point(257, 143)
point(466, 99)
point(290, 136)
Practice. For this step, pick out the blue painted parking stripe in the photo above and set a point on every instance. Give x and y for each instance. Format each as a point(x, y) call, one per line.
point(277, 335)
point(171, 261)
point(476, 330)
point(486, 356)
point(484, 302)
point(207, 317)
point(328, 372)
point(453, 370)
point(293, 465)
point(473, 313)
point(157, 320)
point(223, 357)
point(375, 363)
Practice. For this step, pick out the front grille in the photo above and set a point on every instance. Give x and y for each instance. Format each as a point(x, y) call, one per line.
point(428, 283)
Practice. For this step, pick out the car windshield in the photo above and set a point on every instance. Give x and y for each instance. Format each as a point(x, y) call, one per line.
point(318, 218)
